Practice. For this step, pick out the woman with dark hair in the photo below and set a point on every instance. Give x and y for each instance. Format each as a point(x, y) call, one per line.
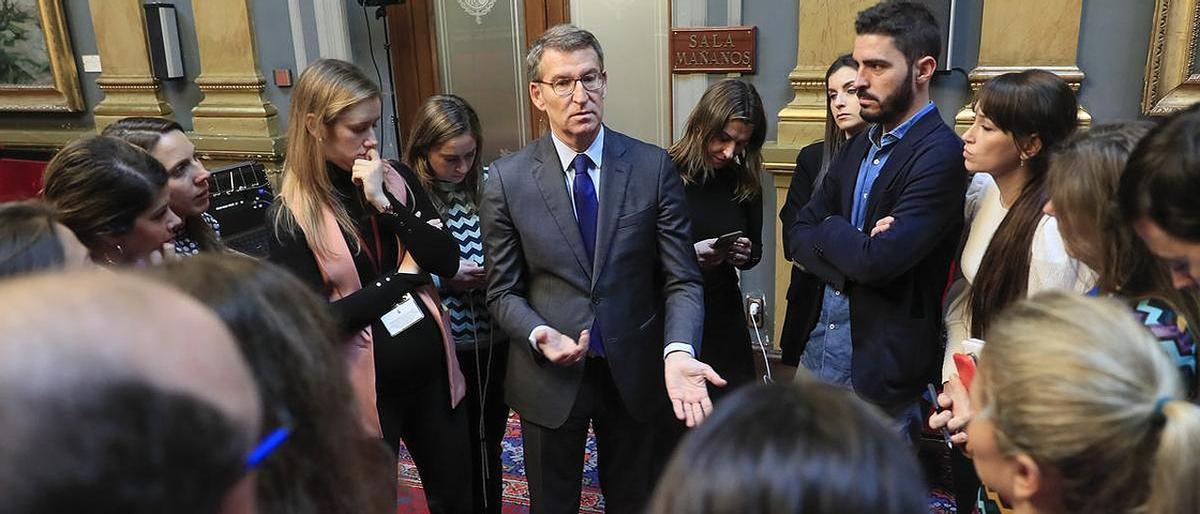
point(443, 152)
point(813, 448)
point(719, 158)
point(287, 336)
point(842, 122)
point(165, 140)
point(32, 239)
point(114, 197)
point(1012, 249)
point(1158, 194)
point(1083, 178)
point(355, 229)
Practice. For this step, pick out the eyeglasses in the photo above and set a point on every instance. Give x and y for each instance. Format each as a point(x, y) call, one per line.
point(565, 86)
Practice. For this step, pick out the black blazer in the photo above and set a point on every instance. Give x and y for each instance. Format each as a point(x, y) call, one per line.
point(894, 281)
point(804, 289)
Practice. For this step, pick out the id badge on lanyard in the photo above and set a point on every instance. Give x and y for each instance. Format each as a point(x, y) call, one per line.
point(405, 314)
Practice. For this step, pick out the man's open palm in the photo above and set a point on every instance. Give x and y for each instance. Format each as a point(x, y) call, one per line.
point(686, 380)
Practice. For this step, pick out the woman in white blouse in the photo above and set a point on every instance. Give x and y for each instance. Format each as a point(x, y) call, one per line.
point(1013, 250)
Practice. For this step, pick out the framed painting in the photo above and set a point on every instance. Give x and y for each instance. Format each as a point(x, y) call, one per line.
point(37, 65)
point(1172, 77)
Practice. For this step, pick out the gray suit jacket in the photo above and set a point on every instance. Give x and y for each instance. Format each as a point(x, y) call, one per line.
point(644, 286)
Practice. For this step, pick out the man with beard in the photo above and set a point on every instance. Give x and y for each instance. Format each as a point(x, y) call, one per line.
point(879, 328)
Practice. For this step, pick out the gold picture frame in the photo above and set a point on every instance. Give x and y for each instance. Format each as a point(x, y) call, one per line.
point(35, 77)
point(1171, 81)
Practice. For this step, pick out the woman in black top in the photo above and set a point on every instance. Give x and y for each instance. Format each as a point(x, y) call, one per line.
point(719, 158)
point(842, 122)
point(349, 225)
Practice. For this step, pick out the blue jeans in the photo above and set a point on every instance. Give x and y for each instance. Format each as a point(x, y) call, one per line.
point(829, 349)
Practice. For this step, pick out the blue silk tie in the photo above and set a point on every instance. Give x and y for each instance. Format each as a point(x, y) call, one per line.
point(587, 210)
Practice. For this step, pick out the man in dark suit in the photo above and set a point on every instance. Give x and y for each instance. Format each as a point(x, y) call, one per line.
point(885, 225)
point(585, 233)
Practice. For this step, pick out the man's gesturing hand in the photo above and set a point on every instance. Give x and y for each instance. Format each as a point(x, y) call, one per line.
point(560, 349)
point(686, 378)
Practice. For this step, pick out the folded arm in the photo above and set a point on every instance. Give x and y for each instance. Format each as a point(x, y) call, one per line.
point(929, 205)
point(434, 249)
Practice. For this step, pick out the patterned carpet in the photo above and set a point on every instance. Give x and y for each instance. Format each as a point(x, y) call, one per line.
point(516, 490)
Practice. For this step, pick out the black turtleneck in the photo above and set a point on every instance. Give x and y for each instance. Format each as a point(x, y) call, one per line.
point(416, 355)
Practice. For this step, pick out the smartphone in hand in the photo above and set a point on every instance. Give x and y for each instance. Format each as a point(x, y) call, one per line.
point(727, 240)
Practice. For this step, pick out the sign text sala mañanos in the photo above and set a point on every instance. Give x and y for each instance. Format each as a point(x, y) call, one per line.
point(713, 49)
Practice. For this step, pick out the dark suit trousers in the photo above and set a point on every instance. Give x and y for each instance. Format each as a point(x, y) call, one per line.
point(435, 436)
point(625, 447)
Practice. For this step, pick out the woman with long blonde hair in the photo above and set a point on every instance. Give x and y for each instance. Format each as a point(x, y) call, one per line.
point(443, 152)
point(356, 230)
point(1080, 411)
point(719, 158)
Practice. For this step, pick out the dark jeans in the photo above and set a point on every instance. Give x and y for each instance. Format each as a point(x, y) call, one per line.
point(434, 435)
point(487, 419)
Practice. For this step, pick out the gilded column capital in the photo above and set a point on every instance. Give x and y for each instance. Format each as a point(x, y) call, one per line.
point(127, 80)
point(826, 30)
point(234, 120)
point(1000, 52)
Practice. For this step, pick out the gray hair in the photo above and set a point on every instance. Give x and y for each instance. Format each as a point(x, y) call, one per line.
point(564, 38)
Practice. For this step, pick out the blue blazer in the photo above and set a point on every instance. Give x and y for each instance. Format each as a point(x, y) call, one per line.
point(894, 281)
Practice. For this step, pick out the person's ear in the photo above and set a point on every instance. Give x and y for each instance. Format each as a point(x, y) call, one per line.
point(1030, 147)
point(535, 95)
point(1029, 479)
point(925, 67)
point(312, 125)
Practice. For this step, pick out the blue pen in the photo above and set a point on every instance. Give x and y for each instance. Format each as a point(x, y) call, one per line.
point(267, 446)
point(937, 408)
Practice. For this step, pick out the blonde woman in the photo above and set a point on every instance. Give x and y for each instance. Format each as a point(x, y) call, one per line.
point(1080, 411)
point(356, 230)
point(719, 159)
point(443, 152)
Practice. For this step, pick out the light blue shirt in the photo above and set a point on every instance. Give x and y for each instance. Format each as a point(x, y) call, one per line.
point(877, 156)
point(829, 352)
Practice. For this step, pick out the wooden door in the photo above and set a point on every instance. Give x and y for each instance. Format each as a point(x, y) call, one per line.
point(415, 60)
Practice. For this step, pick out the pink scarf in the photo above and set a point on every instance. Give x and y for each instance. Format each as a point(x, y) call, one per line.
point(340, 274)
